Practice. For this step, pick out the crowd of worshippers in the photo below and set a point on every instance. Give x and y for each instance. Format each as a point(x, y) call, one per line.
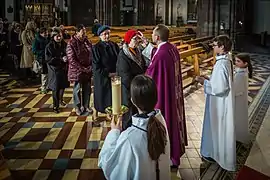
point(151, 137)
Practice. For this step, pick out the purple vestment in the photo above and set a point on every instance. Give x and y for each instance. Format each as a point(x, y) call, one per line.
point(165, 69)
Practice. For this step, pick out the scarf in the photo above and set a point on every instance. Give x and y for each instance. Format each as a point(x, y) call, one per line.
point(135, 56)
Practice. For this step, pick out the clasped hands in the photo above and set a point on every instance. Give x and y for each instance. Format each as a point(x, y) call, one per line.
point(201, 79)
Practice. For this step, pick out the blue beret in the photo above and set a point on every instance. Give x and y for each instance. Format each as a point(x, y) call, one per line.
point(102, 28)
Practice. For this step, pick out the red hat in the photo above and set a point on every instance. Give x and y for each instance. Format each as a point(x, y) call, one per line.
point(129, 35)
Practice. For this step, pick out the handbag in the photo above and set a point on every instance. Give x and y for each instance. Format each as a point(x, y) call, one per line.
point(37, 68)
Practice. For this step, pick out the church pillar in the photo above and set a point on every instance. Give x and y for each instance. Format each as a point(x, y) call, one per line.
point(115, 12)
point(82, 12)
point(221, 16)
point(9, 10)
point(208, 17)
point(146, 9)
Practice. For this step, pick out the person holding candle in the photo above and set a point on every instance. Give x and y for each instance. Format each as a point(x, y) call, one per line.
point(79, 53)
point(142, 151)
point(104, 67)
point(130, 63)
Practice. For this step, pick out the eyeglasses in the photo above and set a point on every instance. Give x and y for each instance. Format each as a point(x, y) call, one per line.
point(105, 33)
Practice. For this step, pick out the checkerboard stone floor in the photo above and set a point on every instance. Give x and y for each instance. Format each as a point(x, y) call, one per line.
point(39, 144)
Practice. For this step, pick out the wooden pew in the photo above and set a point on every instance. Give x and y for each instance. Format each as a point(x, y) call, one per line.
point(190, 71)
point(178, 40)
point(197, 41)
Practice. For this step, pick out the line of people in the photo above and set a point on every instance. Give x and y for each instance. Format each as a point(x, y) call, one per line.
point(143, 132)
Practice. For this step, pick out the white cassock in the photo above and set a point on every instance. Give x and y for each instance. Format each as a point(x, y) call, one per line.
point(125, 156)
point(241, 105)
point(218, 136)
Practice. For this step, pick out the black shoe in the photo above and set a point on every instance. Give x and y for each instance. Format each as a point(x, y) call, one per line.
point(56, 110)
point(174, 167)
point(63, 103)
point(208, 159)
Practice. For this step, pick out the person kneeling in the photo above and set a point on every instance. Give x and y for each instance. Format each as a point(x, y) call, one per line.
point(142, 151)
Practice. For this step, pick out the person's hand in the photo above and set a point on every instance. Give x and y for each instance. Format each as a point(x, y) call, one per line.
point(65, 58)
point(112, 74)
point(118, 124)
point(144, 40)
point(205, 77)
point(200, 79)
point(2, 43)
point(86, 70)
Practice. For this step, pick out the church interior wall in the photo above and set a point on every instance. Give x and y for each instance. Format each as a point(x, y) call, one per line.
point(9, 15)
point(261, 16)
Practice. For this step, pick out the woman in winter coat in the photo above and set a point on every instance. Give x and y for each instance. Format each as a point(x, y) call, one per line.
point(55, 56)
point(130, 63)
point(28, 37)
point(104, 67)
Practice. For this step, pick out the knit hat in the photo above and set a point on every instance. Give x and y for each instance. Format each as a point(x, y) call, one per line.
point(102, 29)
point(129, 35)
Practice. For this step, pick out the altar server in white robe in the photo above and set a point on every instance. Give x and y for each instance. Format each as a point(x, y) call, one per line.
point(242, 72)
point(218, 135)
point(142, 151)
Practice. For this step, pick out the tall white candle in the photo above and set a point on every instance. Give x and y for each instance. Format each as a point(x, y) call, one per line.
point(116, 94)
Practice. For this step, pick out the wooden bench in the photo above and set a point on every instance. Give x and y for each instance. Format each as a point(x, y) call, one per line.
point(178, 40)
point(197, 41)
point(190, 71)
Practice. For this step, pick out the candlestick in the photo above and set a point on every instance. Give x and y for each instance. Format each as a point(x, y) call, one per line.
point(116, 95)
point(117, 109)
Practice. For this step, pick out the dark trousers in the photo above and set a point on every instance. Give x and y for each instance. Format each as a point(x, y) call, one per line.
point(81, 94)
point(57, 97)
point(127, 118)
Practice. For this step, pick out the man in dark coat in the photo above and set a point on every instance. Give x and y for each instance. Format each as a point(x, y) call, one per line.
point(3, 42)
point(38, 49)
point(104, 67)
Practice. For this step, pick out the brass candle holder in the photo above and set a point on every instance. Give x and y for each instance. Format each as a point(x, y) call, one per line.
point(116, 109)
point(114, 117)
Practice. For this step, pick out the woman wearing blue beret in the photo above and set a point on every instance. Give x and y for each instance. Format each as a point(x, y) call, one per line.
point(104, 67)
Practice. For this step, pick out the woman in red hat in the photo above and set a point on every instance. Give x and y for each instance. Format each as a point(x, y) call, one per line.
point(130, 63)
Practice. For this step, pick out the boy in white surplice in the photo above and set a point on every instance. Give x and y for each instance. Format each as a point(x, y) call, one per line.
point(142, 151)
point(218, 135)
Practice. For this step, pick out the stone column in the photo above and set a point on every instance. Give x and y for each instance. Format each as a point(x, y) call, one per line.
point(69, 9)
point(9, 5)
point(207, 18)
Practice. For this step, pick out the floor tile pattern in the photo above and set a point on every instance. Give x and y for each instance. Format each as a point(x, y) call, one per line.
point(42, 145)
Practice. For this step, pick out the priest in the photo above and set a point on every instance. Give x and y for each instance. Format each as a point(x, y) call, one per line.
point(165, 69)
